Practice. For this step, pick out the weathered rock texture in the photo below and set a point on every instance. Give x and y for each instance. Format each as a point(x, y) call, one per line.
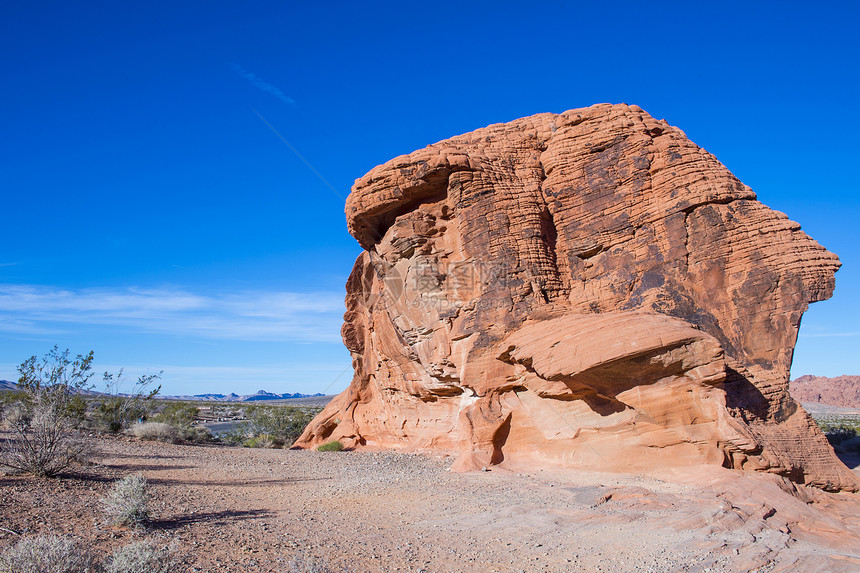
point(842, 391)
point(586, 289)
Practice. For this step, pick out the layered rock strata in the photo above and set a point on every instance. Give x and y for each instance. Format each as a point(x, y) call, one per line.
point(588, 289)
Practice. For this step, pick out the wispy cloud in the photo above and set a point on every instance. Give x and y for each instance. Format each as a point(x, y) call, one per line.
point(262, 85)
point(828, 334)
point(245, 315)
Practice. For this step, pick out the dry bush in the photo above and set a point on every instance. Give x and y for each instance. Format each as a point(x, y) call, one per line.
point(43, 442)
point(47, 554)
point(158, 431)
point(126, 502)
point(302, 563)
point(144, 557)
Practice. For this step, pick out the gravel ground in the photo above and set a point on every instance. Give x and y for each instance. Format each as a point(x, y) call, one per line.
point(235, 509)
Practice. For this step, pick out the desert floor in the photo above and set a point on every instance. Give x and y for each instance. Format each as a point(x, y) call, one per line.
point(236, 509)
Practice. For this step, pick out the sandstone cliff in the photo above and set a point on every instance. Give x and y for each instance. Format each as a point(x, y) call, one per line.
point(587, 289)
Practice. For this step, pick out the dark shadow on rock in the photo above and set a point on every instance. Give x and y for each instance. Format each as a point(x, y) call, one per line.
point(742, 395)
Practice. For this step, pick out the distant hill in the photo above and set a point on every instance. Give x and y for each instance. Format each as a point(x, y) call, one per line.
point(842, 391)
point(259, 396)
point(7, 385)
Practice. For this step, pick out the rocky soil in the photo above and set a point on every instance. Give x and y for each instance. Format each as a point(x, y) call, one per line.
point(235, 509)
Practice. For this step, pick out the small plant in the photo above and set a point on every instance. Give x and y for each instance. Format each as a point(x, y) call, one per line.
point(126, 503)
point(332, 446)
point(263, 441)
point(144, 557)
point(47, 554)
point(302, 563)
point(157, 431)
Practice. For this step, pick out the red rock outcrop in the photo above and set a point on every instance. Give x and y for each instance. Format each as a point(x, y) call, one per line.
point(586, 289)
point(842, 391)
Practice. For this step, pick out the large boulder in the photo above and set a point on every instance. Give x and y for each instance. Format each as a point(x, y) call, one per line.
point(588, 289)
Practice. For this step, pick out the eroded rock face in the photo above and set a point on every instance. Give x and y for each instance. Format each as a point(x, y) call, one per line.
point(587, 289)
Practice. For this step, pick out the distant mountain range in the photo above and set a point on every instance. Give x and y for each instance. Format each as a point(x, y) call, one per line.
point(257, 397)
point(260, 395)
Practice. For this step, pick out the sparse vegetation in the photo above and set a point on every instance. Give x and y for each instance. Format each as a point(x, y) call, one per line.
point(302, 563)
point(44, 414)
point(157, 431)
point(179, 414)
point(47, 554)
point(281, 424)
point(235, 437)
point(332, 446)
point(144, 557)
point(63, 554)
point(126, 503)
point(117, 411)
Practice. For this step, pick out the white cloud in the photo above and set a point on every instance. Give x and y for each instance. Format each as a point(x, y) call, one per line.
point(245, 315)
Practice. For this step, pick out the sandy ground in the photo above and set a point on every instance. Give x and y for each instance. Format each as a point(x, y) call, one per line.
point(235, 509)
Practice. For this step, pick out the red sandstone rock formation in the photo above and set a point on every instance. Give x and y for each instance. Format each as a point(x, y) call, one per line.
point(843, 391)
point(587, 289)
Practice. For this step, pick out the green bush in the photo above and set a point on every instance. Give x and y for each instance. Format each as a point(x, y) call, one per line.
point(177, 414)
point(236, 436)
point(839, 434)
point(126, 502)
point(47, 554)
point(282, 423)
point(332, 446)
point(263, 441)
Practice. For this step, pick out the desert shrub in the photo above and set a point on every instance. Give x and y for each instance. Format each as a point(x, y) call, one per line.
point(332, 446)
point(263, 441)
point(236, 436)
point(43, 441)
point(126, 502)
point(177, 414)
point(144, 557)
point(837, 435)
point(47, 554)
point(196, 435)
point(157, 431)
point(117, 411)
point(302, 563)
point(280, 422)
point(44, 413)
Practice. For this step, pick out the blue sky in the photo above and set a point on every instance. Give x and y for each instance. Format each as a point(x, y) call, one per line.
point(154, 216)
